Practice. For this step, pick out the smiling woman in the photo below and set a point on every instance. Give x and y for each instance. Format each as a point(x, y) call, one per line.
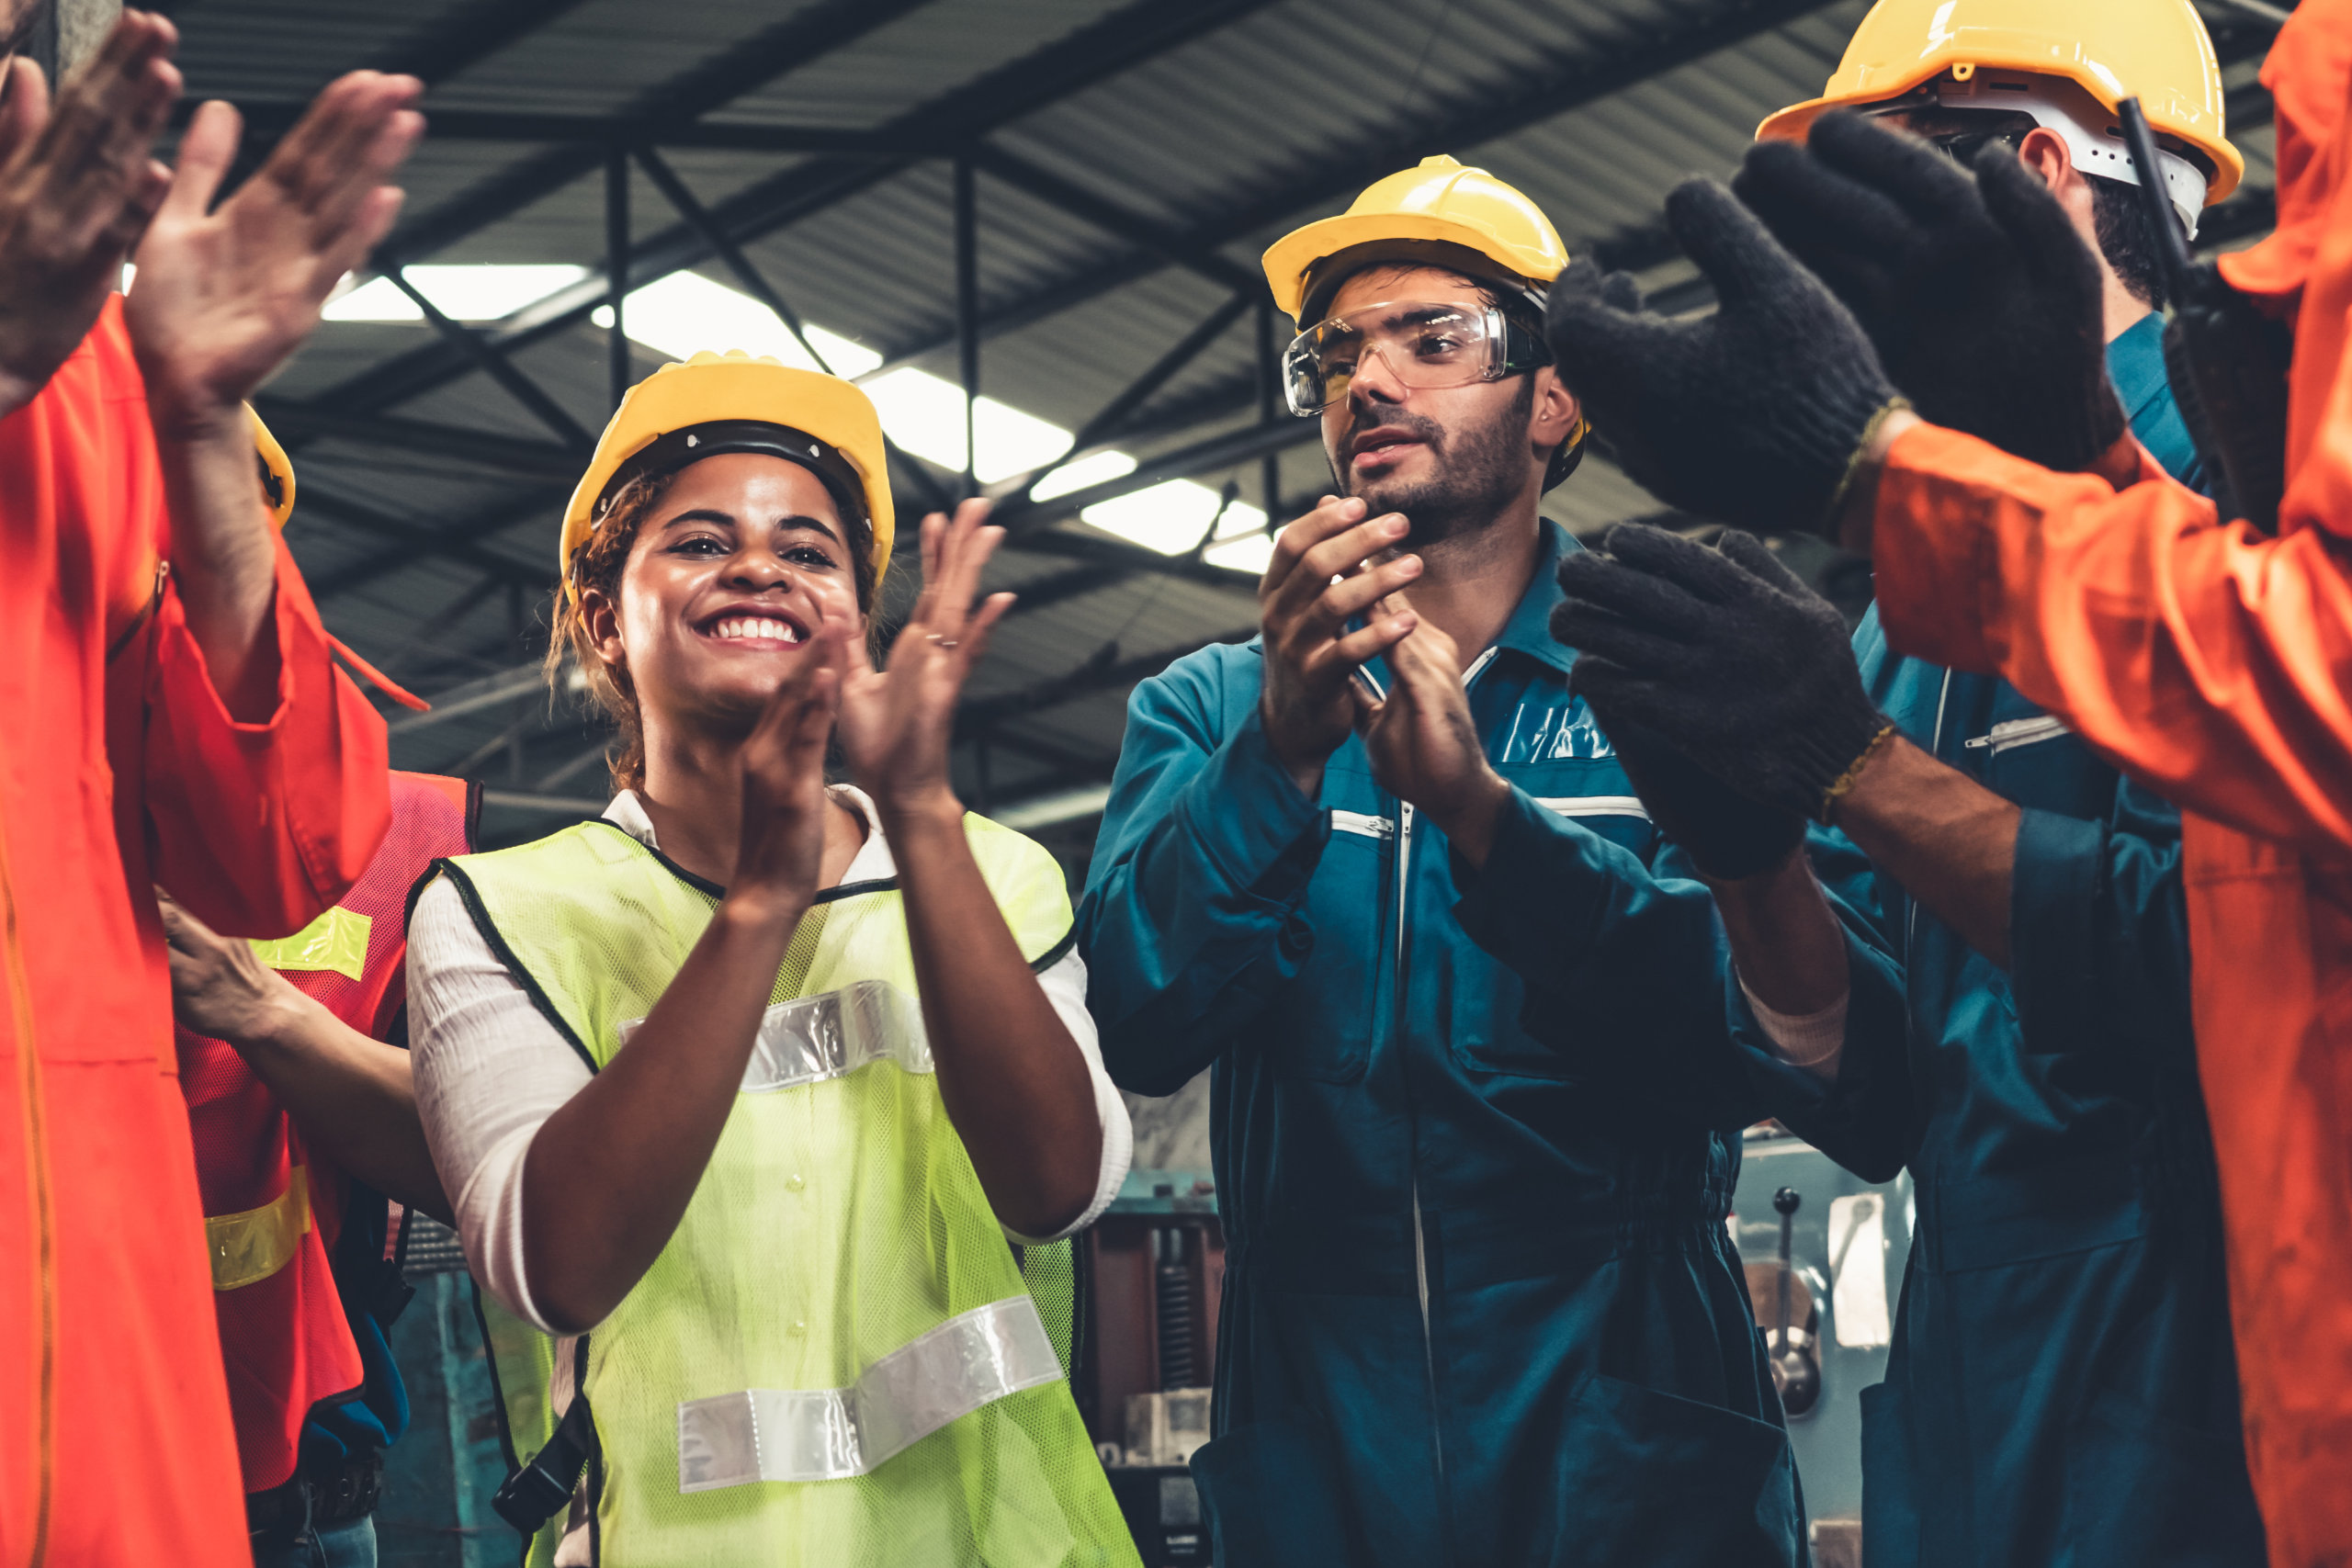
point(825, 550)
point(752, 1082)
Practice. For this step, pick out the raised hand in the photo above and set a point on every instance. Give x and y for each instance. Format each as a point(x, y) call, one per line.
point(1423, 744)
point(1983, 302)
point(1727, 835)
point(1751, 414)
point(1310, 654)
point(225, 294)
point(897, 725)
point(1725, 656)
point(782, 841)
point(76, 187)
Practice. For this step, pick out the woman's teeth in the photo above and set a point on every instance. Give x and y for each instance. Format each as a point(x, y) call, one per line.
point(752, 626)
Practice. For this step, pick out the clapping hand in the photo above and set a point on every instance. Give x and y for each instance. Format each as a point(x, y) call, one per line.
point(1330, 566)
point(225, 294)
point(1982, 299)
point(1423, 744)
point(1751, 414)
point(77, 184)
point(782, 841)
point(897, 724)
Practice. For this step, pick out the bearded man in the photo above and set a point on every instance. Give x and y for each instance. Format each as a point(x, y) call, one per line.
point(1381, 872)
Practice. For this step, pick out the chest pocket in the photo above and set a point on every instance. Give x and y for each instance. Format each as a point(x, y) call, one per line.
point(1323, 1025)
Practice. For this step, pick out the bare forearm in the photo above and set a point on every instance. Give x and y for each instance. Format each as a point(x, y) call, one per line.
point(224, 562)
point(610, 1174)
point(1015, 1084)
point(1785, 938)
point(1950, 842)
point(353, 1098)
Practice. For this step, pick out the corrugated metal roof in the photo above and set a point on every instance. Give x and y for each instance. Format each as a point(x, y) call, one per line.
point(1225, 140)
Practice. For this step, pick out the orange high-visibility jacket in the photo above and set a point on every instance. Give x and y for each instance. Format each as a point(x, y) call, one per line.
point(274, 1205)
point(2215, 664)
point(116, 774)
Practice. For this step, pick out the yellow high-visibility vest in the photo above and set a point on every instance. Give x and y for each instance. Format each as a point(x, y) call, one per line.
point(835, 1360)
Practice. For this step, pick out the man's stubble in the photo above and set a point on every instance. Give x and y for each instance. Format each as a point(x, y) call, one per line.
point(1480, 471)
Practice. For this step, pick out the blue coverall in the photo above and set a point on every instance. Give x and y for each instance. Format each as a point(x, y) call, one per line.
point(2060, 1388)
point(1474, 1137)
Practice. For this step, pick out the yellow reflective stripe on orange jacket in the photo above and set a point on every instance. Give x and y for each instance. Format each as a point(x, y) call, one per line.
point(257, 1243)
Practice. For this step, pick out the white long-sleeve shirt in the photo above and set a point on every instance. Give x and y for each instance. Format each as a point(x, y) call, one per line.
point(490, 1069)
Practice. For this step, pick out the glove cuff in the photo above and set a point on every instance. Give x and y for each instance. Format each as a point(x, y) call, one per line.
point(1827, 526)
point(1843, 785)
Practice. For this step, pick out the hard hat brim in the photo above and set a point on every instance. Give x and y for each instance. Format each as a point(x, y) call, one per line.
point(277, 466)
point(714, 386)
point(1291, 261)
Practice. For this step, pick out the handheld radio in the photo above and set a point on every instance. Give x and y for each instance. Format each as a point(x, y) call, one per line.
point(2226, 360)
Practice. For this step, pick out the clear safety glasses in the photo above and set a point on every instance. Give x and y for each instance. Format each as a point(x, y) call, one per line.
point(1421, 343)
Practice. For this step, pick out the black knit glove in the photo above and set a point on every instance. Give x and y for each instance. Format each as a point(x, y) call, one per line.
point(1982, 299)
point(1751, 414)
point(1726, 656)
point(1727, 835)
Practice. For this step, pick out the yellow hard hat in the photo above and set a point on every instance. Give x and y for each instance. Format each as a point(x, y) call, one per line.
point(732, 402)
point(1437, 212)
point(276, 472)
point(2158, 51)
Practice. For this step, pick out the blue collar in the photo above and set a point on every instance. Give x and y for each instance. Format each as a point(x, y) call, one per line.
point(1529, 630)
point(2135, 361)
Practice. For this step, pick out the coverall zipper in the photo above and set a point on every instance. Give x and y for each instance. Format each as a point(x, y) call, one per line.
point(2011, 733)
point(1420, 1251)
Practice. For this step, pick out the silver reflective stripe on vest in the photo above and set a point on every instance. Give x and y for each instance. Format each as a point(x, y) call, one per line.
point(810, 1039)
point(828, 1434)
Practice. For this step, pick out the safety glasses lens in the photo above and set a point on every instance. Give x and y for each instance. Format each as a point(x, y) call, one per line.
point(1420, 343)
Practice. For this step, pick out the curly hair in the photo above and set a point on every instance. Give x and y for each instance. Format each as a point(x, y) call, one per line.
point(598, 565)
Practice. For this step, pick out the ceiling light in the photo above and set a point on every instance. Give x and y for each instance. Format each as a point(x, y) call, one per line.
point(1085, 471)
point(487, 292)
point(924, 413)
point(1172, 517)
point(685, 312)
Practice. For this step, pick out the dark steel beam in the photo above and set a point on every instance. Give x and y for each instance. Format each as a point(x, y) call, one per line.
point(755, 283)
point(429, 632)
point(1223, 451)
point(967, 237)
point(1114, 412)
point(478, 32)
point(1110, 217)
point(517, 457)
point(275, 116)
point(461, 541)
point(494, 364)
point(804, 37)
point(1072, 544)
point(1567, 85)
point(1082, 59)
point(413, 540)
point(619, 370)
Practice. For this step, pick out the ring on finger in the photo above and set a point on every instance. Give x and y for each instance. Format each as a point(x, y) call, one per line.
point(943, 641)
